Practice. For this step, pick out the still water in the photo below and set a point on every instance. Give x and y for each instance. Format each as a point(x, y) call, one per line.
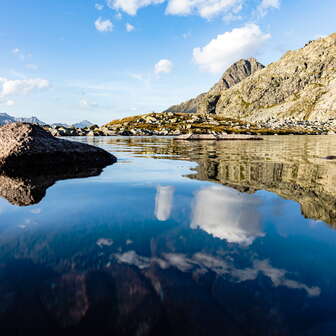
point(177, 238)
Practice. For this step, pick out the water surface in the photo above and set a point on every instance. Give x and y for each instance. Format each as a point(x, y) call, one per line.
point(192, 238)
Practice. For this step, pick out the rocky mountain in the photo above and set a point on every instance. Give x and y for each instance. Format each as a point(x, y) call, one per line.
point(301, 85)
point(83, 124)
point(32, 120)
point(232, 76)
point(6, 119)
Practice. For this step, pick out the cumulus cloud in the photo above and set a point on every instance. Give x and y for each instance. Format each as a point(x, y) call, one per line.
point(229, 47)
point(163, 66)
point(21, 86)
point(131, 6)
point(205, 8)
point(104, 25)
point(129, 27)
point(265, 5)
point(99, 6)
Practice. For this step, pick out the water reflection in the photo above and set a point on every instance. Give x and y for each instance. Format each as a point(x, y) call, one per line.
point(294, 167)
point(226, 214)
point(163, 202)
point(24, 190)
point(165, 254)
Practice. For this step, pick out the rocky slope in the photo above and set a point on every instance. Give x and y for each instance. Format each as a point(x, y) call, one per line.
point(301, 85)
point(232, 76)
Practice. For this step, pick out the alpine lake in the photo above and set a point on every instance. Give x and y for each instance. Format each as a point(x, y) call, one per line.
point(176, 238)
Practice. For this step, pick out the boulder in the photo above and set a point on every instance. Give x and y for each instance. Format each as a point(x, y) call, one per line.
point(27, 147)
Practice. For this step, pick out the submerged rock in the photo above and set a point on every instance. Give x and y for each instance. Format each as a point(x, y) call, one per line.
point(26, 147)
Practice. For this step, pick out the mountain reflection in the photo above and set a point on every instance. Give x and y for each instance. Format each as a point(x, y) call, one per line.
point(176, 256)
point(293, 167)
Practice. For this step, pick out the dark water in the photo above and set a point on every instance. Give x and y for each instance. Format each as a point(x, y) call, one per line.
point(177, 238)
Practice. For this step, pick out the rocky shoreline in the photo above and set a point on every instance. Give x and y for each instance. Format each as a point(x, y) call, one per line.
point(175, 124)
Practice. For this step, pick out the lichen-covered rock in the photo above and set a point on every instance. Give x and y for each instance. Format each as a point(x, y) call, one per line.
point(29, 147)
point(302, 84)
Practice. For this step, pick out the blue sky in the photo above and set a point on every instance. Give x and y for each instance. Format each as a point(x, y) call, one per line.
point(69, 60)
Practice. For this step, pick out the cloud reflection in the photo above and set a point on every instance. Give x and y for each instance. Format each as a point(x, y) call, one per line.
point(227, 214)
point(164, 202)
point(205, 262)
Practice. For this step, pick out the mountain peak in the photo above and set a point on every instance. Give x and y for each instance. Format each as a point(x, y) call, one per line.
point(232, 76)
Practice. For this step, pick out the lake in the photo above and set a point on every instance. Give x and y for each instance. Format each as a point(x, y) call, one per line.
point(177, 238)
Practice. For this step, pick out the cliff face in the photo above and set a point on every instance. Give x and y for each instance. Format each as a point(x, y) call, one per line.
point(232, 76)
point(301, 85)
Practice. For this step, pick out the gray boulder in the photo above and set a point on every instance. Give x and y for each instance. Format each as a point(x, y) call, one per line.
point(26, 147)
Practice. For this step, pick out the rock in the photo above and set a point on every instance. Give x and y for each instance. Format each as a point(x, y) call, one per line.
point(217, 137)
point(25, 147)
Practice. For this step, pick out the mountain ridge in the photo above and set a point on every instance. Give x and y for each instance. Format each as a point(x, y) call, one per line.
point(232, 76)
point(7, 119)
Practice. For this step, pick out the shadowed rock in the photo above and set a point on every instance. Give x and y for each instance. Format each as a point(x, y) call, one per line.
point(26, 147)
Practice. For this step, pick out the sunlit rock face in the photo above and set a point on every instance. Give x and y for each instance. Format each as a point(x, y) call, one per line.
point(163, 202)
point(227, 214)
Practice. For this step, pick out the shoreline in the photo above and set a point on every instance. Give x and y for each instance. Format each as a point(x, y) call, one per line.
point(177, 124)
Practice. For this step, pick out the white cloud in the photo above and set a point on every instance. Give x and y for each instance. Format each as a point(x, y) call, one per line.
point(7, 102)
point(163, 66)
point(103, 25)
point(131, 6)
point(129, 27)
point(265, 5)
point(32, 67)
point(229, 47)
point(137, 76)
point(85, 104)
point(230, 17)
point(99, 6)
point(16, 51)
point(205, 8)
point(21, 86)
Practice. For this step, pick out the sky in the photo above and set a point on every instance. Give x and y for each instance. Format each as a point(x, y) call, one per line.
point(70, 60)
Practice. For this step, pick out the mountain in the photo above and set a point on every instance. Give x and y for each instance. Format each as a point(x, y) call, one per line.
point(232, 76)
point(83, 124)
point(6, 119)
point(32, 120)
point(301, 85)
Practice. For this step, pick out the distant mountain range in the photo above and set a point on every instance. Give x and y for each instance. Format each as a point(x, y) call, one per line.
point(7, 119)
